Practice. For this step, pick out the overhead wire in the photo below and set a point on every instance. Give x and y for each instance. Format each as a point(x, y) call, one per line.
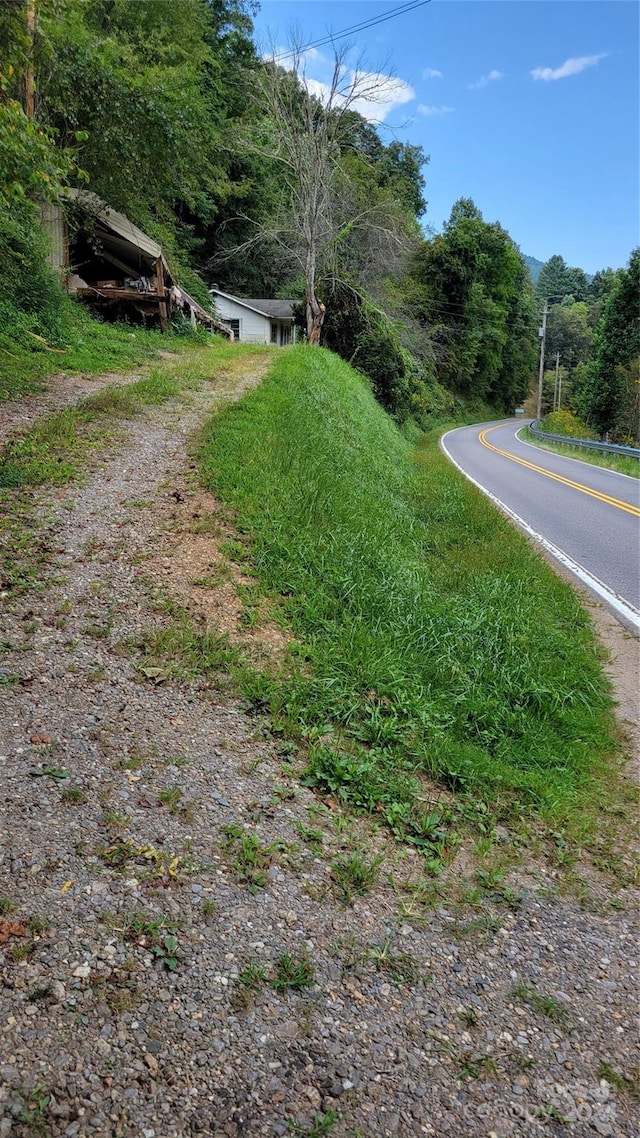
point(382, 18)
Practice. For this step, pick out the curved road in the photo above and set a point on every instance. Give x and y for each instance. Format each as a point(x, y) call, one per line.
point(585, 516)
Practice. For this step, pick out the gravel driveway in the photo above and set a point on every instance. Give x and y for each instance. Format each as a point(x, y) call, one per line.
point(178, 953)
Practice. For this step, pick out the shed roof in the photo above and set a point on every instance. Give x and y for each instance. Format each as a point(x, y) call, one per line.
point(119, 235)
point(272, 309)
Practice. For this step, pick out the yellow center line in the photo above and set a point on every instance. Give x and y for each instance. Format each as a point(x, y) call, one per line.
point(606, 498)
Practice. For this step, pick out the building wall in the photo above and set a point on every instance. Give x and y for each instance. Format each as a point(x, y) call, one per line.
point(54, 222)
point(254, 328)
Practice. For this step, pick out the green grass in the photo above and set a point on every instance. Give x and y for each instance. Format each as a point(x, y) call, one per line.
point(90, 347)
point(431, 640)
point(623, 463)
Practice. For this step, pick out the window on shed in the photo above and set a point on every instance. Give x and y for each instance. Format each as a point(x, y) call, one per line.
point(234, 325)
point(274, 332)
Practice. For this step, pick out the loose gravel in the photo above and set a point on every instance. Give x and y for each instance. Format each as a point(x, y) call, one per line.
point(161, 873)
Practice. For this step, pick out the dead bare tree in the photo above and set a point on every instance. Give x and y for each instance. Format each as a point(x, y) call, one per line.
point(317, 211)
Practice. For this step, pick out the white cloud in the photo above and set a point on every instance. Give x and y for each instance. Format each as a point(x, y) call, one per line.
point(431, 73)
point(569, 67)
point(372, 94)
point(424, 109)
point(485, 80)
point(381, 94)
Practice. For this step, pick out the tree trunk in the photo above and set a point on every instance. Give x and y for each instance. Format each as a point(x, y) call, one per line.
point(315, 320)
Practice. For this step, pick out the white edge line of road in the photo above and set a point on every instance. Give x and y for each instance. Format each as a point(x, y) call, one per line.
point(526, 443)
point(627, 611)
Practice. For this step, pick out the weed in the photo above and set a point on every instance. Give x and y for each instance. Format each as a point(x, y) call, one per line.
point(179, 651)
point(21, 951)
point(40, 994)
point(550, 1113)
point(352, 874)
point(491, 881)
point(321, 1124)
point(119, 991)
point(166, 951)
point(483, 928)
point(288, 972)
point(469, 1016)
point(132, 763)
point(58, 774)
point(543, 1004)
point(209, 907)
point(282, 793)
point(292, 972)
point(401, 967)
point(156, 935)
point(253, 976)
point(38, 925)
point(519, 1062)
point(171, 798)
point(474, 1066)
point(251, 860)
point(628, 1084)
point(312, 836)
point(235, 550)
point(116, 819)
point(7, 905)
point(35, 1110)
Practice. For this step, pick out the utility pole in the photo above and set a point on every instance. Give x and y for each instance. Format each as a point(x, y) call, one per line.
point(543, 336)
point(556, 386)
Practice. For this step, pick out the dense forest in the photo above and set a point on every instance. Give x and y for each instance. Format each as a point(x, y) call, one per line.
point(246, 178)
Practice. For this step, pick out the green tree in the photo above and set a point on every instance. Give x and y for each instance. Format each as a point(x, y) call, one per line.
point(475, 301)
point(568, 333)
point(557, 281)
point(608, 400)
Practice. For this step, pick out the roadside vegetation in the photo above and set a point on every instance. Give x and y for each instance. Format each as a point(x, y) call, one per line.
point(82, 345)
point(622, 463)
point(433, 648)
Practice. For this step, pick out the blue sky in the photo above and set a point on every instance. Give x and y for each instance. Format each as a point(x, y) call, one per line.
point(530, 107)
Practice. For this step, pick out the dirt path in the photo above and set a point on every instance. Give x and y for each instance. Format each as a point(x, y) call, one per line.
point(61, 391)
point(176, 951)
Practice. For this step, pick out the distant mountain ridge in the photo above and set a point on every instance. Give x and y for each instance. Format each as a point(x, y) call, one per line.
point(534, 266)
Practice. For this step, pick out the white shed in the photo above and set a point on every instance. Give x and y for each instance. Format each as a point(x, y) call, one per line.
point(256, 321)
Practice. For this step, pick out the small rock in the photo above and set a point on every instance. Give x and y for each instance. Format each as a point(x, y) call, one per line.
point(313, 1094)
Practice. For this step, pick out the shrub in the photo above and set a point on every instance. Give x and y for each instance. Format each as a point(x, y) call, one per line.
point(566, 423)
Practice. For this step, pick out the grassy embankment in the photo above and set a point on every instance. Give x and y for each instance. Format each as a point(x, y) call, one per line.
point(431, 643)
point(622, 463)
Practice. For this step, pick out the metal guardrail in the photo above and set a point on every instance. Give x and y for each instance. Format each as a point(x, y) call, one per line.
point(586, 444)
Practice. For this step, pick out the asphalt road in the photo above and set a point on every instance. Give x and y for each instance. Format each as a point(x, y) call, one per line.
point(585, 516)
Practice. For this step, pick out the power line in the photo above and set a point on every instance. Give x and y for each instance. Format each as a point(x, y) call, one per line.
point(381, 19)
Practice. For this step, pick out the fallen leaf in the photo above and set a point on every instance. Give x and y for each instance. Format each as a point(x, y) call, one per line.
point(176, 721)
point(66, 887)
point(41, 739)
point(9, 929)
